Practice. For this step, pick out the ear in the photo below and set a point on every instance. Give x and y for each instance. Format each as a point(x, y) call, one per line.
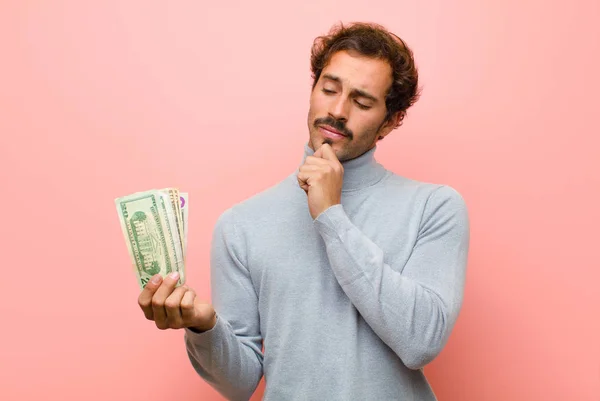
point(388, 126)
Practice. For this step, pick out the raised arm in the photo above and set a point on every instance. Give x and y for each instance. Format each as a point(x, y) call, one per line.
point(412, 308)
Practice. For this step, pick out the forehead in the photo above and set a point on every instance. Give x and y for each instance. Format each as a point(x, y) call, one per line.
point(359, 72)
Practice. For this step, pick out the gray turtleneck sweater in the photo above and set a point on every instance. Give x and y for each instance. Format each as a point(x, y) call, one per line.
point(349, 306)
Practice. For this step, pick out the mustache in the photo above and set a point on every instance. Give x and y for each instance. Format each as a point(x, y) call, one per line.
point(335, 124)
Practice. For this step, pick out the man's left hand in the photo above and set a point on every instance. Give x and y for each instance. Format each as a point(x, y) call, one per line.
point(321, 177)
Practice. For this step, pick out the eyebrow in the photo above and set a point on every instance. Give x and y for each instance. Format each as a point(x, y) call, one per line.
point(355, 92)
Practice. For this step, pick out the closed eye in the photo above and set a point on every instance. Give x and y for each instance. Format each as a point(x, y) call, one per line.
point(359, 104)
point(362, 106)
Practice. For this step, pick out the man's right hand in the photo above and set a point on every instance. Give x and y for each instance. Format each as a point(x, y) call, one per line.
point(175, 308)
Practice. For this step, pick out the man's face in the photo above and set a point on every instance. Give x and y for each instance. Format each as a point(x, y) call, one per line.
point(347, 105)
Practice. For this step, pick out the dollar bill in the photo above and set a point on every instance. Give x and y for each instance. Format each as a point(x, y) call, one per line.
point(151, 227)
point(172, 225)
point(175, 204)
point(183, 197)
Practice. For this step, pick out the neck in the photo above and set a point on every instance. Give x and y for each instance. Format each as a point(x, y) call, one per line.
point(360, 172)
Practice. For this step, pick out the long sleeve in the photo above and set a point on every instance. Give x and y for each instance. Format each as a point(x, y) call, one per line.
point(229, 355)
point(412, 308)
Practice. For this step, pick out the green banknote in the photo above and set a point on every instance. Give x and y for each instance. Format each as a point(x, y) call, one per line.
point(184, 197)
point(152, 226)
point(174, 201)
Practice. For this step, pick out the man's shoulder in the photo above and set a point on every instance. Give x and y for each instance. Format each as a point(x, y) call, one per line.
point(427, 191)
point(435, 205)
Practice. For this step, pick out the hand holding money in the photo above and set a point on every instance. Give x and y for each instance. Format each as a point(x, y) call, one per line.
point(154, 225)
point(175, 308)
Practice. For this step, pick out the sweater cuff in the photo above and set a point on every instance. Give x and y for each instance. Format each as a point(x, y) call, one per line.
point(208, 338)
point(333, 222)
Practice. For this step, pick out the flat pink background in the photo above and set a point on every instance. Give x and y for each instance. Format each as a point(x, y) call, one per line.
point(99, 99)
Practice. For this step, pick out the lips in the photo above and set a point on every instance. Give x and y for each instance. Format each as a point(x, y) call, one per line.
point(331, 132)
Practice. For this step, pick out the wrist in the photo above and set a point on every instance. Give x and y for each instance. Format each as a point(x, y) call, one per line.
point(205, 327)
point(326, 208)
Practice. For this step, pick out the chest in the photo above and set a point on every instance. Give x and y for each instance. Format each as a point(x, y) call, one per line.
point(288, 260)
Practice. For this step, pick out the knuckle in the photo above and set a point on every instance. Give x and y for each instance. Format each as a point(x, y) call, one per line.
point(187, 305)
point(175, 324)
point(158, 303)
point(208, 314)
point(171, 304)
point(187, 312)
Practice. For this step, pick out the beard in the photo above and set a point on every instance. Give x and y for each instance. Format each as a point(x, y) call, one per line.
point(347, 148)
point(335, 124)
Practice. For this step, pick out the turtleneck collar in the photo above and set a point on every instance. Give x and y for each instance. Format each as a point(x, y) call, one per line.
point(360, 172)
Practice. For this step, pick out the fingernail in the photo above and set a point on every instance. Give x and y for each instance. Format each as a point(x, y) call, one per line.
point(174, 275)
point(155, 279)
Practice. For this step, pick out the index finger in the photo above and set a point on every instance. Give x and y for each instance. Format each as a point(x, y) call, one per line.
point(145, 298)
point(326, 152)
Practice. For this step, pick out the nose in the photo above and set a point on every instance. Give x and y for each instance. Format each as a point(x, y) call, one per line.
point(339, 109)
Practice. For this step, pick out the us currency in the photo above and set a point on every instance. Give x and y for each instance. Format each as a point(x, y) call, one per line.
point(172, 198)
point(183, 197)
point(152, 228)
point(175, 203)
point(173, 226)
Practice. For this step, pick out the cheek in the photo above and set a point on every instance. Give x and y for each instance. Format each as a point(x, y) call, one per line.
point(376, 122)
point(317, 103)
point(365, 127)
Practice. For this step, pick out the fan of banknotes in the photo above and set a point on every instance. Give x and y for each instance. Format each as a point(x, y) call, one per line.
point(154, 224)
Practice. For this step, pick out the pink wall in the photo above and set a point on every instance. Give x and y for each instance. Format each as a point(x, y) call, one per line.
point(100, 99)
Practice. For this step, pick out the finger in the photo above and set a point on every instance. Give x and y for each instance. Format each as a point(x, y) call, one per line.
point(172, 307)
point(327, 153)
point(311, 160)
point(311, 168)
point(187, 306)
point(307, 175)
point(318, 153)
point(304, 187)
point(145, 298)
point(159, 298)
point(303, 181)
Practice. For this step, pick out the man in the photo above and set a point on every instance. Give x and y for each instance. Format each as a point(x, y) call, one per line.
point(344, 280)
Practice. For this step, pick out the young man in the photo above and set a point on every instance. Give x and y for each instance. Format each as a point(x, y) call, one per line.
point(351, 277)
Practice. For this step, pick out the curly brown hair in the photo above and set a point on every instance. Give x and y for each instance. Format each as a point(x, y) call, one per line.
point(372, 40)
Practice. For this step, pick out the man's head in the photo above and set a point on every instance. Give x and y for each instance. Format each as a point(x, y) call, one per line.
point(364, 80)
